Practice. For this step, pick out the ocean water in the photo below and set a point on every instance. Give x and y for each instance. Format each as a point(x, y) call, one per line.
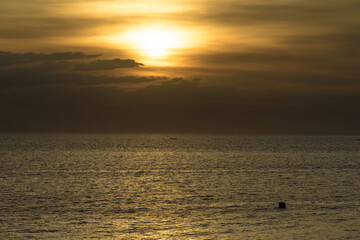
point(158, 186)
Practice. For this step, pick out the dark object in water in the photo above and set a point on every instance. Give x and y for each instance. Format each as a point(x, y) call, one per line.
point(282, 205)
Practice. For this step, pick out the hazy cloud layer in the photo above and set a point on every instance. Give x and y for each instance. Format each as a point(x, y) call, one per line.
point(297, 12)
point(176, 106)
point(32, 99)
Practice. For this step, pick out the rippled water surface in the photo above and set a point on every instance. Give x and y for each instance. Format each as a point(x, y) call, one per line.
point(179, 187)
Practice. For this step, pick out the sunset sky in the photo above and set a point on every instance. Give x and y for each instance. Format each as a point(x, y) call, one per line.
point(215, 66)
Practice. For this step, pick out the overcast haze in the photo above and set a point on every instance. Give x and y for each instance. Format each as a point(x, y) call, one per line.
point(244, 67)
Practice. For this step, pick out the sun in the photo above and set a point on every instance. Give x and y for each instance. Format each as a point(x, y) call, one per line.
point(156, 42)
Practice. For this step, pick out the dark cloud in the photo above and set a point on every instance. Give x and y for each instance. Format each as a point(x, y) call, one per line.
point(28, 78)
point(91, 66)
point(52, 62)
point(108, 64)
point(53, 73)
point(53, 66)
point(9, 58)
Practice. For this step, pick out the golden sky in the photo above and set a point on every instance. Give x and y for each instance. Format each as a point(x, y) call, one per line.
point(262, 59)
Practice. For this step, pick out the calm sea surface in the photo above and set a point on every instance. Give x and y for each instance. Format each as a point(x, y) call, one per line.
point(179, 187)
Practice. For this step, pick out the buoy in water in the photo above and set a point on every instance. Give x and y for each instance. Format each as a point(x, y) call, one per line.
point(282, 205)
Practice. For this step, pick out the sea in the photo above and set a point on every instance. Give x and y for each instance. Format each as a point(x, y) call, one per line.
point(179, 186)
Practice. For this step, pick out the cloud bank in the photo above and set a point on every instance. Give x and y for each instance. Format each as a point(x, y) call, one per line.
point(50, 62)
point(108, 64)
point(34, 100)
point(9, 58)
